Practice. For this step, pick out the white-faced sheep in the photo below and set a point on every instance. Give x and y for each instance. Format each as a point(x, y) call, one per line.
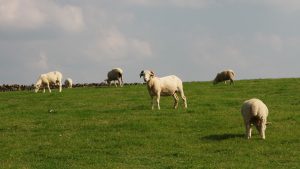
point(68, 83)
point(47, 79)
point(164, 86)
point(255, 112)
point(224, 76)
point(113, 75)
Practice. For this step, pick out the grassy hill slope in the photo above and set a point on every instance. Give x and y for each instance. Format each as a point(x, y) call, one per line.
point(115, 128)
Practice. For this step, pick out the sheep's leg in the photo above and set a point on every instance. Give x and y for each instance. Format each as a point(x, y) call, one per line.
point(115, 83)
point(262, 133)
point(122, 81)
point(248, 130)
point(183, 97)
point(184, 100)
point(60, 87)
point(152, 102)
point(44, 89)
point(48, 86)
point(262, 130)
point(119, 82)
point(175, 100)
point(231, 81)
point(157, 100)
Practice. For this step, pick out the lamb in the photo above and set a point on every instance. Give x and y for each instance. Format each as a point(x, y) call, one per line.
point(224, 76)
point(255, 112)
point(54, 77)
point(164, 86)
point(68, 83)
point(113, 75)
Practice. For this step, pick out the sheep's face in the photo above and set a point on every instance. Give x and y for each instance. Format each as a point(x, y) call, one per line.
point(215, 81)
point(147, 75)
point(107, 81)
point(36, 87)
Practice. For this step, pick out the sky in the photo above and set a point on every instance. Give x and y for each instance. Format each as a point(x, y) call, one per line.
point(193, 39)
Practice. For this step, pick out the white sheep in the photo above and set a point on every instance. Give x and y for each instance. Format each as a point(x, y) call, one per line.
point(113, 75)
point(68, 83)
point(224, 76)
point(47, 79)
point(255, 112)
point(164, 86)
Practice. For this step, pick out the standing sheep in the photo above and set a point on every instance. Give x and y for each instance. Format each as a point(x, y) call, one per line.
point(113, 75)
point(164, 86)
point(47, 79)
point(255, 112)
point(68, 83)
point(224, 76)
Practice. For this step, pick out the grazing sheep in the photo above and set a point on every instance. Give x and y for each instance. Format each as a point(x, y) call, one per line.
point(68, 83)
point(47, 79)
point(255, 112)
point(224, 76)
point(164, 86)
point(113, 75)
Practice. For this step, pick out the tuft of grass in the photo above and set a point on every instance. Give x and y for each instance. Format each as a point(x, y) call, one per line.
point(115, 128)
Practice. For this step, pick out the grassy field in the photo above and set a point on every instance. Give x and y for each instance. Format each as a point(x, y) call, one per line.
point(115, 128)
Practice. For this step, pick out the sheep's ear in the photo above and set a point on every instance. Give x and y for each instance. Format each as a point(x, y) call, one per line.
point(152, 73)
point(142, 73)
point(268, 123)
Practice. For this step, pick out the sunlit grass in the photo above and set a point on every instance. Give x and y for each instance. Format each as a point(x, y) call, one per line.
point(116, 128)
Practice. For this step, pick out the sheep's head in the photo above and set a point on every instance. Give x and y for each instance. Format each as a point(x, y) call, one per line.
point(216, 80)
point(107, 81)
point(37, 87)
point(147, 75)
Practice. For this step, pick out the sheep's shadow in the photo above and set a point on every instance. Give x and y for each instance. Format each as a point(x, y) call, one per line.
point(219, 137)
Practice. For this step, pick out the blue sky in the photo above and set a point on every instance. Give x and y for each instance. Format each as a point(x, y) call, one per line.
point(193, 39)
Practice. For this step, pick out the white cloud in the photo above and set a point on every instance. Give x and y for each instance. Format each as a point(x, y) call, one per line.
point(259, 55)
point(68, 17)
point(177, 3)
point(114, 44)
point(192, 3)
point(288, 5)
point(218, 53)
point(272, 41)
point(33, 14)
point(41, 62)
point(23, 14)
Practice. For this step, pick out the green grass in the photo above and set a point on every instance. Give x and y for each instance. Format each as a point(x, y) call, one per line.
point(116, 128)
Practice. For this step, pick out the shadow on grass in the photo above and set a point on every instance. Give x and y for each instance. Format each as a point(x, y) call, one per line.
point(220, 137)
